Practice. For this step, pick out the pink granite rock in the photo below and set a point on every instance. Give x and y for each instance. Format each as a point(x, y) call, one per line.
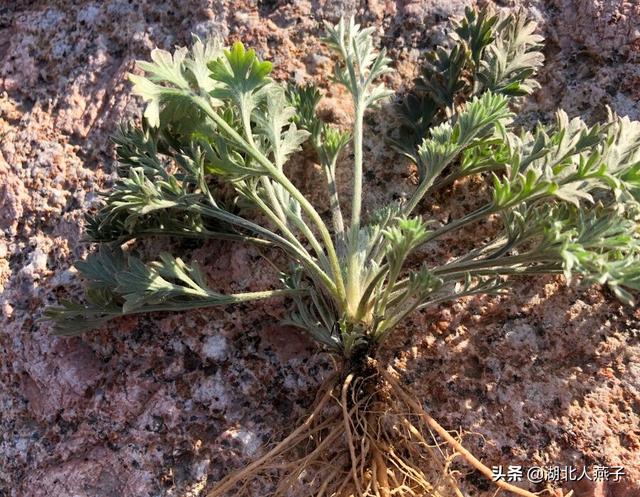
point(164, 405)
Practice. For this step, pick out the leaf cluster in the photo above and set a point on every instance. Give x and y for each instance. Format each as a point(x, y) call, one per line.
point(211, 158)
point(499, 53)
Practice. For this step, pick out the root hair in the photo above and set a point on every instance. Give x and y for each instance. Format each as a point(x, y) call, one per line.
point(363, 437)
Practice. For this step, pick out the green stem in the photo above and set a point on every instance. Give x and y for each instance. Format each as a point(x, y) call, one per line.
point(500, 263)
point(313, 241)
point(456, 175)
point(301, 255)
point(275, 219)
point(477, 252)
point(356, 201)
point(100, 316)
point(417, 306)
point(290, 187)
point(204, 235)
point(214, 300)
point(504, 250)
point(353, 264)
point(459, 223)
point(222, 215)
point(368, 291)
point(275, 203)
point(334, 205)
point(447, 298)
point(549, 268)
point(425, 186)
point(280, 220)
point(394, 272)
point(245, 113)
point(398, 298)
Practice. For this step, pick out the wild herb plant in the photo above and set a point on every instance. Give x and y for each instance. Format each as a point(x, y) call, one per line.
point(566, 194)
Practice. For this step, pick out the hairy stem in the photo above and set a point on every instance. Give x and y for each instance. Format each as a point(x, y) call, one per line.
point(421, 191)
point(208, 299)
point(203, 234)
point(275, 203)
point(315, 244)
point(336, 210)
point(463, 221)
point(500, 264)
point(279, 223)
point(279, 176)
point(449, 179)
point(374, 282)
point(356, 201)
point(353, 264)
point(293, 249)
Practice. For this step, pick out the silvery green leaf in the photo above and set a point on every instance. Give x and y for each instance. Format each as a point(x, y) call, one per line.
point(276, 124)
point(360, 65)
point(170, 80)
point(509, 62)
point(240, 75)
point(215, 147)
point(202, 54)
point(477, 122)
point(166, 68)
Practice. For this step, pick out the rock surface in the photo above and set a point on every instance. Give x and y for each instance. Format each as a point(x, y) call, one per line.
point(164, 405)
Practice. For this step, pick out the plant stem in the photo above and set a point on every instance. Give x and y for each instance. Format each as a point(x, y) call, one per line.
point(334, 204)
point(393, 274)
point(353, 264)
point(281, 221)
point(500, 263)
point(245, 114)
point(428, 185)
point(301, 255)
point(542, 269)
point(458, 223)
point(279, 176)
point(356, 201)
point(369, 289)
point(275, 203)
point(421, 191)
point(271, 215)
point(315, 244)
point(204, 234)
point(456, 175)
point(479, 251)
point(210, 299)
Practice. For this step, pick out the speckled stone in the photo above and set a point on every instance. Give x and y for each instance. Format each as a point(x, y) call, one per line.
point(164, 405)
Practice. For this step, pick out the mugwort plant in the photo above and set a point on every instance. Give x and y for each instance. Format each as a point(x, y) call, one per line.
point(566, 195)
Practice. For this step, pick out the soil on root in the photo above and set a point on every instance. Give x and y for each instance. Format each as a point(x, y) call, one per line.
point(365, 436)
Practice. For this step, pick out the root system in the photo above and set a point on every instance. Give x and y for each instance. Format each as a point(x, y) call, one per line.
point(365, 436)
